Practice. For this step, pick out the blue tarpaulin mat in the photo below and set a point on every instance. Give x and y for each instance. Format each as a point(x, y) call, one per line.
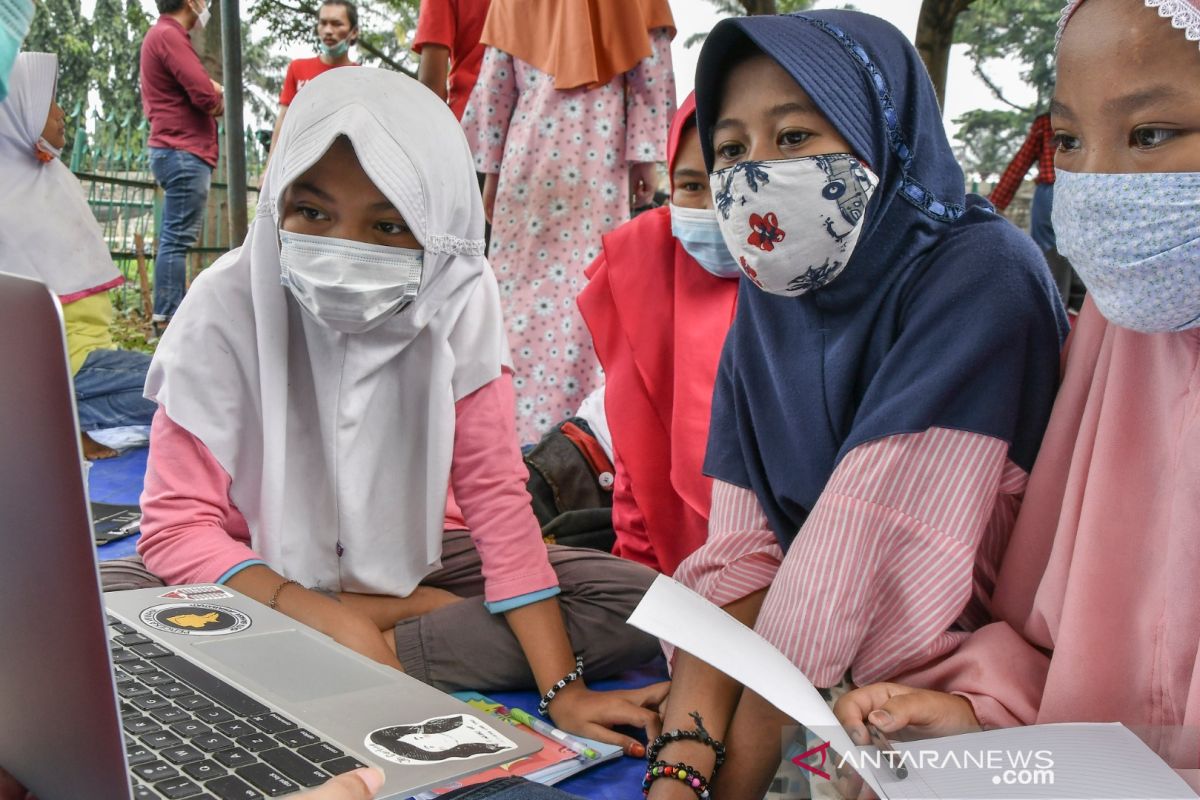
point(119, 480)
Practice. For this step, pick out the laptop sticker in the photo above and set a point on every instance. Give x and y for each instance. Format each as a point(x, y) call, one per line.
point(454, 738)
point(195, 619)
point(197, 593)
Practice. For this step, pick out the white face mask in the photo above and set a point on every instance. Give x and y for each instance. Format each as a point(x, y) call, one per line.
point(1134, 239)
point(793, 224)
point(348, 286)
point(203, 16)
point(697, 230)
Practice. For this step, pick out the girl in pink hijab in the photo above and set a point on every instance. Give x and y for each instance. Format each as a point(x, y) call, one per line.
point(1097, 604)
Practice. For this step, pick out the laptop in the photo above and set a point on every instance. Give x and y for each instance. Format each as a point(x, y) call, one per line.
point(179, 692)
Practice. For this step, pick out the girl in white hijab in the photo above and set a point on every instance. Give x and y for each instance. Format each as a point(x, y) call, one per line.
point(48, 233)
point(323, 386)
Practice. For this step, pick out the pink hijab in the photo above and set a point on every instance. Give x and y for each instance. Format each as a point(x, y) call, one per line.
point(1098, 595)
point(1103, 568)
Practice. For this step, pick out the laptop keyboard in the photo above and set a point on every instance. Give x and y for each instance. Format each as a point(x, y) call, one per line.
point(190, 734)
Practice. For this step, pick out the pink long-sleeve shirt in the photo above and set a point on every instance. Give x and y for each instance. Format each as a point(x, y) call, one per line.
point(892, 567)
point(193, 533)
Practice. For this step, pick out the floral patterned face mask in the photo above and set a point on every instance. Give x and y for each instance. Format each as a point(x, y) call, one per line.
point(793, 224)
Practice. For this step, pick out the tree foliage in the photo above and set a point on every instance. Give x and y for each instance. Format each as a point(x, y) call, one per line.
point(117, 30)
point(1012, 32)
point(1020, 31)
point(988, 139)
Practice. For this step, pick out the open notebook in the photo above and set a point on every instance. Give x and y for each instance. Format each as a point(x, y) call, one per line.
point(1039, 761)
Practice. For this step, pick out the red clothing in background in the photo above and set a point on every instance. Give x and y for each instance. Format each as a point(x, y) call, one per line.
point(1039, 146)
point(457, 25)
point(177, 94)
point(300, 72)
point(659, 371)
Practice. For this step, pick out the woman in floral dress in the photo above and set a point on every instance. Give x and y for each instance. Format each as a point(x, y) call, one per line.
point(565, 124)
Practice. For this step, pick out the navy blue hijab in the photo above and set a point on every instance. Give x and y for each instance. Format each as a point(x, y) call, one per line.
point(945, 316)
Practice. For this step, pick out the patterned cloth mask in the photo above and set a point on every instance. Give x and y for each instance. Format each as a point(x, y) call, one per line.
point(792, 225)
point(350, 287)
point(1134, 239)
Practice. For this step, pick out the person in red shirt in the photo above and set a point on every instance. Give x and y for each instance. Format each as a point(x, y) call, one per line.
point(337, 30)
point(182, 103)
point(447, 40)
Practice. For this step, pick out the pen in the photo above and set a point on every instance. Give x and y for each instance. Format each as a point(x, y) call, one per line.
point(554, 733)
point(894, 759)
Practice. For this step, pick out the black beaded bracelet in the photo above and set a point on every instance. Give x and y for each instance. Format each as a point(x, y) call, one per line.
point(570, 677)
point(684, 773)
point(699, 735)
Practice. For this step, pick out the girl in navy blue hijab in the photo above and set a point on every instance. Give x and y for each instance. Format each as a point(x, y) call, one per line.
point(885, 384)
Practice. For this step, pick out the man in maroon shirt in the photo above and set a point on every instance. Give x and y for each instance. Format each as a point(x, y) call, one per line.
point(182, 103)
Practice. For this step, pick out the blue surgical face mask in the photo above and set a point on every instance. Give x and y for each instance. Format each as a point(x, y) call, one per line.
point(336, 51)
point(697, 230)
point(1134, 239)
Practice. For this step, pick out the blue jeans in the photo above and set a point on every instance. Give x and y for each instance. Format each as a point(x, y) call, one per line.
point(108, 390)
point(1040, 226)
point(185, 179)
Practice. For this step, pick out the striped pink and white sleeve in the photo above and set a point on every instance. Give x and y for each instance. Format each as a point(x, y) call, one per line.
point(740, 556)
point(902, 545)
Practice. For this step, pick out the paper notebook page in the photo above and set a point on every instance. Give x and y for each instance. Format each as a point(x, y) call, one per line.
point(1097, 761)
point(678, 615)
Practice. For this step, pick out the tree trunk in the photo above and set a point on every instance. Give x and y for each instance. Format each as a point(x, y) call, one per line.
point(208, 43)
point(759, 6)
point(935, 35)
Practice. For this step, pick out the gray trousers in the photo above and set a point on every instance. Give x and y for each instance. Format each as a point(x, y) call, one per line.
point(464, 646)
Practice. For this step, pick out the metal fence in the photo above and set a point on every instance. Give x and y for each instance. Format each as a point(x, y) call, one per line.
point(112, 161)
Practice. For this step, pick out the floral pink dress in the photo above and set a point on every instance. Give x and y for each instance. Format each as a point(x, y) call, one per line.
point(563, 159)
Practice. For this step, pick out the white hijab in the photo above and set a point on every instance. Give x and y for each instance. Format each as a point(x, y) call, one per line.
point(47, 230)
point(343, 438)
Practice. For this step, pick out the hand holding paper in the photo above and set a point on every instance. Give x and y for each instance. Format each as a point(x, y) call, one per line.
point(676, 614)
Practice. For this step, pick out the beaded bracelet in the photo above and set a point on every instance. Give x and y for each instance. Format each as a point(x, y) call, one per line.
point(682, 772)
point(699, 734)
point(571, 676)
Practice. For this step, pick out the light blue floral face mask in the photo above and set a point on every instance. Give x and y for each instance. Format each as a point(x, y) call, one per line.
point(15, 18)
point(1134, 239)
point(697, 230)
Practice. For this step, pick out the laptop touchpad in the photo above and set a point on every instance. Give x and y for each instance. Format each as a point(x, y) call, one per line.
point(291, 665)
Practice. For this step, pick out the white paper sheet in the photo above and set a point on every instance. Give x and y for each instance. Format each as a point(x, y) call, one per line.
point(1089, 760)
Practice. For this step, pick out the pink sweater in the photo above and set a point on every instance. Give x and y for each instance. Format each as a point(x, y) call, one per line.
point(193, 533)
point(893, 565)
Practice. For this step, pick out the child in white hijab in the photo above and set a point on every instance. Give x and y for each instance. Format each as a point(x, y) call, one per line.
point(48, 233)
point(322, 388)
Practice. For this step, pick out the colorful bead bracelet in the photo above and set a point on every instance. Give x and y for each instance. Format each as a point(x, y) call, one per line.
point(685, 774)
